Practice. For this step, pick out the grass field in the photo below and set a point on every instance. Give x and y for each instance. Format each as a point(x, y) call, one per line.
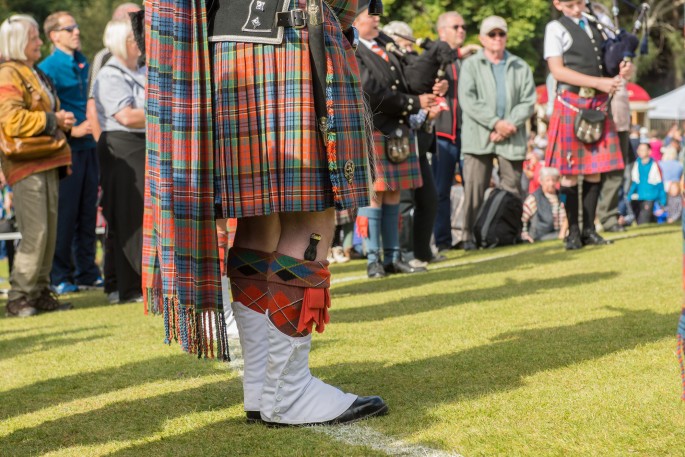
point(520, 351)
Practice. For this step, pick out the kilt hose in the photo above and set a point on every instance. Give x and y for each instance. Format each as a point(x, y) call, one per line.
point(391, 176)
point(568, 154)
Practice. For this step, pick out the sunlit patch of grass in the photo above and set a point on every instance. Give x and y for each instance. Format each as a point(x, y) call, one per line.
point(527, 350)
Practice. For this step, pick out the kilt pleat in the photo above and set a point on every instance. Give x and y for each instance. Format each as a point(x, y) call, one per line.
point(269, 155)
point(391, 176)
point(573, 157)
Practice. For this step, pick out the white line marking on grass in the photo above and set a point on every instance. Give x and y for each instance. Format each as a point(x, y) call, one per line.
point(360, 435)
point(354, 434)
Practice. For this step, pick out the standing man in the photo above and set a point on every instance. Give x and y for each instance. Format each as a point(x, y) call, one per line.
point(396, 112)
point(78, 194)
point(497, 96)
point(452, 30)
point(235, 129)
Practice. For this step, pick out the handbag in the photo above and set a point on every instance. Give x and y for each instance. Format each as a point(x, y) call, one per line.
point(34, 147)
point(397, 146)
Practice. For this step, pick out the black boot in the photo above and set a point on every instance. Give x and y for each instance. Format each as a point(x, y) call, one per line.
point(572, 240)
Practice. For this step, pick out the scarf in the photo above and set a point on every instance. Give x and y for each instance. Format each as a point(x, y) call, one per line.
point(181, 277)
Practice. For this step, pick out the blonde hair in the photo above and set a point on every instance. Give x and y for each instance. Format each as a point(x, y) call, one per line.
point(115, 36)
point(14, 36)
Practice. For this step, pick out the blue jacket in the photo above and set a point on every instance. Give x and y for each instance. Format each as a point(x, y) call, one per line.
point(69, 74)
point(647, 183)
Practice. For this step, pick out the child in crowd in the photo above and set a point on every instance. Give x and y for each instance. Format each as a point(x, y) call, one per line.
point(647, 186)
point(544, 216)
point(531, 169)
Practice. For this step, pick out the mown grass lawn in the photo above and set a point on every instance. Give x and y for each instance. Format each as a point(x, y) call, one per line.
point(520, 351)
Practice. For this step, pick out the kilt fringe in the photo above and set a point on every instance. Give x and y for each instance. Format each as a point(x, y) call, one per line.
point(201, 332)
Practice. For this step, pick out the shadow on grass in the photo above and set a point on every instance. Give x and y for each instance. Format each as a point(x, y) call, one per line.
point(51, 392)
point(49, 340)
point(499, 366)
point(507, 262)
point(431, 302)
point(122, 421)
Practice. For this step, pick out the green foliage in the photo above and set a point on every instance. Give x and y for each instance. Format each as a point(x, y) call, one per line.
point(91, 16)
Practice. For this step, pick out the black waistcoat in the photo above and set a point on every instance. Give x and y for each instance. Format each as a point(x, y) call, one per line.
point(585, 54)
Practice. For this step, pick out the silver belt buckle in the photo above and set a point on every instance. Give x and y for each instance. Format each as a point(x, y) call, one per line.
point(586, 92)
point(298, 18)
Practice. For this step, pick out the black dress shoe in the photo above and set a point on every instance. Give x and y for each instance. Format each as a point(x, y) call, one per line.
point(362, 408)
point(402, 267)
point(572, 240)
point(617, 228)
point(375, 270)
point(469, 246)
point(590, 237)
point(253, 417)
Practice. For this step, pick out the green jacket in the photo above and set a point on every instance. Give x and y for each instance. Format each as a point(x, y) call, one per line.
point(477, 98)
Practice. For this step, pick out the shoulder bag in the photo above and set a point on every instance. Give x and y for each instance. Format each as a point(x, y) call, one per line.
point(34, 147)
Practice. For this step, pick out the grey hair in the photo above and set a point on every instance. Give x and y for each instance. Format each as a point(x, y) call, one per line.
point(442, 19)
point(394, 27)
point(14, 36)
point(115, 36)
point(549, 171)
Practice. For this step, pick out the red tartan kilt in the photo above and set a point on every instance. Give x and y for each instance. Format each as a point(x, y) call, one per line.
point(569, 155)
point(391, 176)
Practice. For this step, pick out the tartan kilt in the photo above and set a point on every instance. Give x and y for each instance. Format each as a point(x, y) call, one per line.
point(269, 154)
point(573, 157)
point(391, 176)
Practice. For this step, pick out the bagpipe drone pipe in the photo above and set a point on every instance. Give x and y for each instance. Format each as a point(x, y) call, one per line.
point(619, 45)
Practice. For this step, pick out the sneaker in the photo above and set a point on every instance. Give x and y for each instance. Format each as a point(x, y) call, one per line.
point(20, 307)
point(375, 270)
point(66, 288)
point(99, 283)
point(339, 255)
point(113, 297)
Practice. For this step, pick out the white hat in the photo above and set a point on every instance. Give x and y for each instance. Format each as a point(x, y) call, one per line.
point(491, 23)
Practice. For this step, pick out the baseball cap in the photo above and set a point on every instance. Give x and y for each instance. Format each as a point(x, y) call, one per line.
point(491, 23)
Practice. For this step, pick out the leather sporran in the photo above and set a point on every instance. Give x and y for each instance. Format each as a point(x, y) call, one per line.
point(589, 125)
point(398, 146)
point(31, 148)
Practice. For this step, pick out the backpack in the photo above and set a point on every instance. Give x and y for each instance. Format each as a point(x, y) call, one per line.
point(499, 220)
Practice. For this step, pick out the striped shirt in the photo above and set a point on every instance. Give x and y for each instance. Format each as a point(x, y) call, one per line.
point(530, 207)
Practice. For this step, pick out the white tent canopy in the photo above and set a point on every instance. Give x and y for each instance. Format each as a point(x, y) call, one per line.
point(669, 106)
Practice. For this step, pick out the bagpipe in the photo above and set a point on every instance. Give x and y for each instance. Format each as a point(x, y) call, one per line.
point(619, 45)
point(421, 71)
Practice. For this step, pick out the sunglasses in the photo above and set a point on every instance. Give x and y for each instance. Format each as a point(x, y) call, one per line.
point(68, 28)
point(499, 34)
point(459, 26)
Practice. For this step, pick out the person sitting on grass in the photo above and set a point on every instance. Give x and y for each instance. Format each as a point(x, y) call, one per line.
point(647, 186)
point(544, 216)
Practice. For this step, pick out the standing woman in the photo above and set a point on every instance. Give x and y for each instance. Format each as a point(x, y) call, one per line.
point(119, 92)
point(29, 107)
point(574, 55)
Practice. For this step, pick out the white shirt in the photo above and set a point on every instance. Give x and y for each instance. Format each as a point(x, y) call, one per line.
point(557, 38)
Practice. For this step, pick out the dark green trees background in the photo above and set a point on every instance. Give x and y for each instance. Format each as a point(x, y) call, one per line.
point(662, 69)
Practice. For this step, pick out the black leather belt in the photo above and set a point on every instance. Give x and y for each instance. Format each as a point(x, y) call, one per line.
point(562, 87)
point(296, 19)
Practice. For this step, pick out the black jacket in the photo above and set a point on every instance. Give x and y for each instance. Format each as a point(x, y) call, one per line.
point(386, 90)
